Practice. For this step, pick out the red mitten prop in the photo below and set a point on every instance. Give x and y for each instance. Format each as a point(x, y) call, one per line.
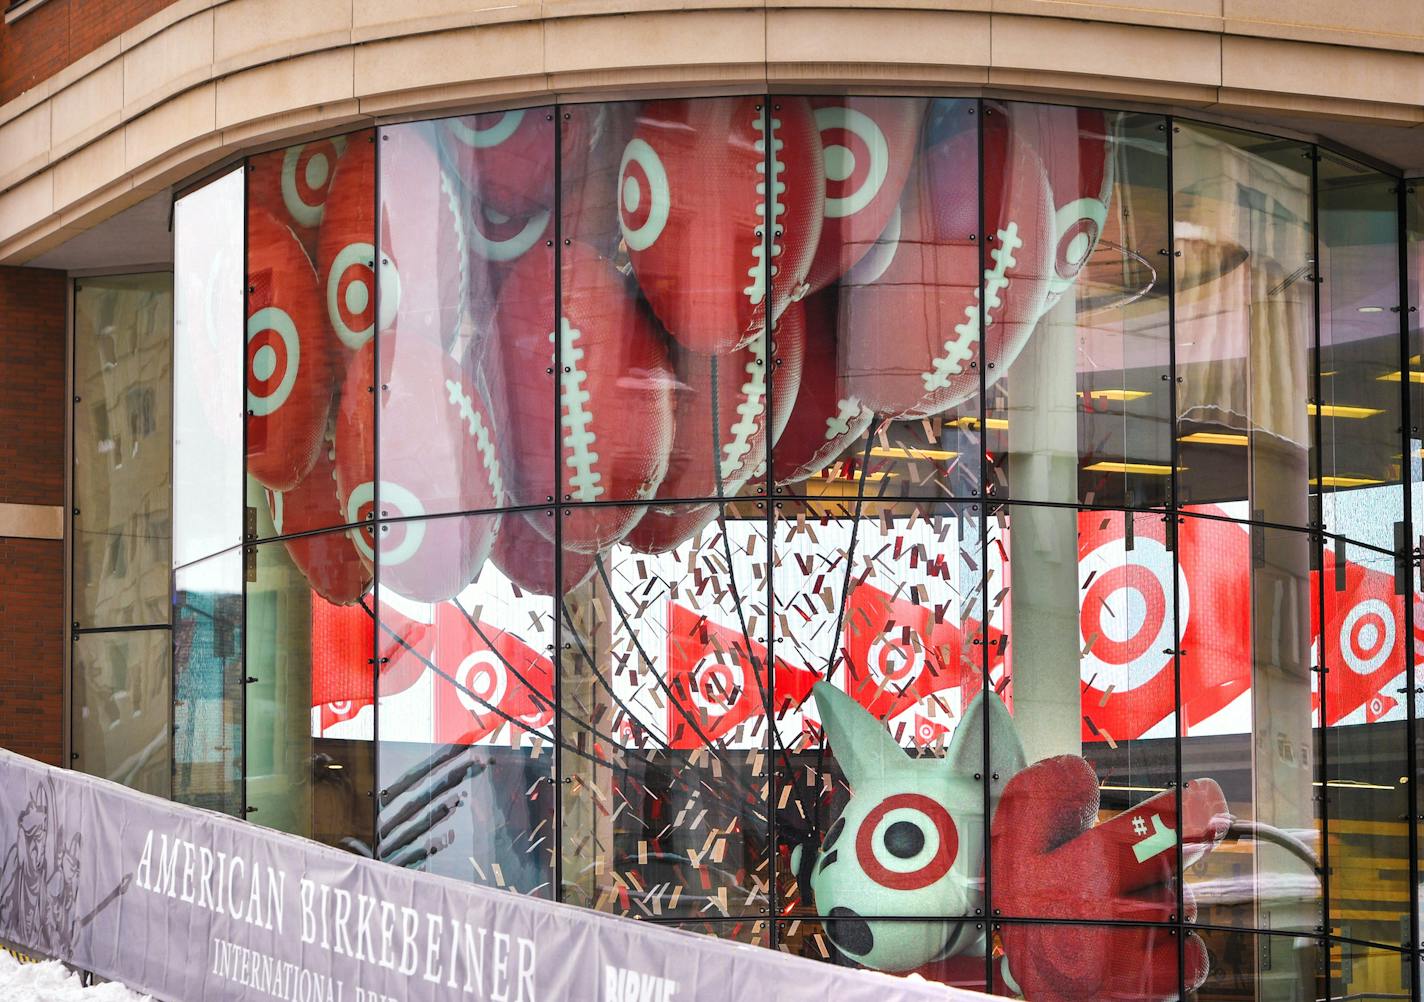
point(1051, 862)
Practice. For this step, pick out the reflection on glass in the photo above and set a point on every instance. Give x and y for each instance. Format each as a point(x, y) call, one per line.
point(1248, 967)
point(207, 366)
point(1361, 380)
point(123, 449)
point(466, 702)
point(207, 684)
point(1083, 410)
point(1124, 963)
point(1090, 827)
point(122, 695)
point(1244, 312)
point(823, 939)
point(1362, 647)
point(1246, 604)
point(1369, 972)
point(664, 721)
point(302, 776)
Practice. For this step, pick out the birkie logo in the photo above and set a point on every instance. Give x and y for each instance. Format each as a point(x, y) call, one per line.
point(621, 984)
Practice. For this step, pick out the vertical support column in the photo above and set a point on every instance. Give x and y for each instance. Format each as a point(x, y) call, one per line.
point(1043, 465)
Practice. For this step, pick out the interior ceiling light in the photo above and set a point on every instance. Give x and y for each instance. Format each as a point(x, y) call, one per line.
point(971, 423)
point(1216, 438)
point(1371, 309)
point(1342, 410)
point(1115, 394)
point(1415, 376)
point(1333, 480)
point(1149, 469)
point(883, 453)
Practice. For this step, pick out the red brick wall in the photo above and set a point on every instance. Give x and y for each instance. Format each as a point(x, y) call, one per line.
point(58, 32)
point(32, 411)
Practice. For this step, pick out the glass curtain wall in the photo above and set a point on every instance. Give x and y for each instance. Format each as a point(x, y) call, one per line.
point(954, 537)
point(121, 522)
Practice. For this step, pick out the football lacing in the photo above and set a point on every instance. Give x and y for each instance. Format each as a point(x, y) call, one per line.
point(962, 347)
point(749, 411)
point(480, 433)
point(848, 410)
point(758, 271)
point(575, 418)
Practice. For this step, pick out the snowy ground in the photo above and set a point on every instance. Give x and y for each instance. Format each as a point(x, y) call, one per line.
point(52, 982)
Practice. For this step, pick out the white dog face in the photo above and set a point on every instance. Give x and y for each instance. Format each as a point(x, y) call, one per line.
point(910, 842)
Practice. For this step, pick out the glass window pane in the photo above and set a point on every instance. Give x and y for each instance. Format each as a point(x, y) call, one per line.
point(1079, 405)
point(662, 681)
point(123, 449)
point(466, 701)
point(843, 941)
point(887, 402)
point(1360, 353)
point(207, 365)
point(1249, 966)
point(886, 608)
point(305, 776)
point(1120, 962)
point(1363, 651)
point(1086, 604)
point(207, 683)
point(122, 702)
point(1247, 680)
point(1244, 319)
point(1369, 972)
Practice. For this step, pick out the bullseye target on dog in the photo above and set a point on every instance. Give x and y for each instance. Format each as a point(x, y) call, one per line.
point(1126, 618)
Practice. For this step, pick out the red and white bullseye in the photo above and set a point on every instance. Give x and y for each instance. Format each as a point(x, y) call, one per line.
point(1367, 636)
point(1127, 612)
point(307, 170)
point(482, 682)
point(274, 354)
point(644, 198)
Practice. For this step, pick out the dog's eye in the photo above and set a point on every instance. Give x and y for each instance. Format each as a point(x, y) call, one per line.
point(904, 839)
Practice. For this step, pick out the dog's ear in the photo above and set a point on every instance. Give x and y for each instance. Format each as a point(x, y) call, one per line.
point(863, 747)
point(965, 754)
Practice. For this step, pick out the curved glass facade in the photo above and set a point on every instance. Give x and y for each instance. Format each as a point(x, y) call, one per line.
point(954, 537)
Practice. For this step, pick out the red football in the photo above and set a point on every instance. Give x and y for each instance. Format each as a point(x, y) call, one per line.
point(506, 158)
point(346, 250)
point(693, 204)
point(423, 235)
point(290, 356)
point(1075, 146)
point(615, 393)
point(527, 558)
point(826, 420)
point(868, 144)
point(720, 406)
point(438, 454)
point(293, 183)
point(910, 343)
point(328, 560)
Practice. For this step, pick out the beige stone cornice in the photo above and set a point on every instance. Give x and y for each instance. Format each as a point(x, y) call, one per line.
point(204, 80)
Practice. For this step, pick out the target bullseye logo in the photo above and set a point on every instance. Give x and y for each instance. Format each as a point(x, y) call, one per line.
point(644, 198)
point(1127, 612)
point(274, 355)
point(351, 293)
point(1079, 225)
point(712, 686)
point(907, 842)
point(307, 171)
point(1367, 636)
point(857, 159)
point(499, 237)
point(342, 707)
point(481, 682)
point(483, 137)
point(894, 665)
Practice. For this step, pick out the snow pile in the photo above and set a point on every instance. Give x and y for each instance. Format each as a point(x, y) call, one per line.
point(53, 982)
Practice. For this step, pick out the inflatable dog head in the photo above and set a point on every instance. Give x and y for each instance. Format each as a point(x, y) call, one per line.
point(910, 841)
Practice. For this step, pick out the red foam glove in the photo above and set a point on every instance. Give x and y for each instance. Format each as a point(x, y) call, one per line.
point(1051, 862)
